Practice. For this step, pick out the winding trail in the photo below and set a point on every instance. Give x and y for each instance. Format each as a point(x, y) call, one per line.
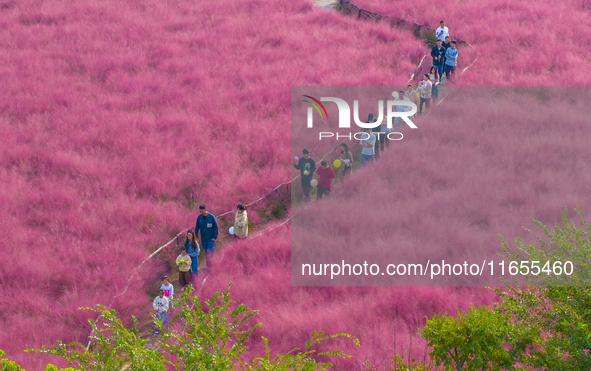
point(348, 8)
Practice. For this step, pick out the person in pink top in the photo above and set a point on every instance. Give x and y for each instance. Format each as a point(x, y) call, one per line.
point(325, 177)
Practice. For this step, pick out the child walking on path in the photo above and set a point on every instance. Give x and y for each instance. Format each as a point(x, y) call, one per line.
point(160, 306)
point(183, 261)
point(168, 289)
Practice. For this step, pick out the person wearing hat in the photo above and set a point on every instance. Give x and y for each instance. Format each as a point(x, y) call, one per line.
point(306, 165)
point(183, 261)
point(451, 60)
point(441, 32)
point(208, 226)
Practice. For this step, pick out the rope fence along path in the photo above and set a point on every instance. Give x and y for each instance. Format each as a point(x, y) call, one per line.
point(159, 249)
point(250, 239)
point(348, 8)
point(419, 30)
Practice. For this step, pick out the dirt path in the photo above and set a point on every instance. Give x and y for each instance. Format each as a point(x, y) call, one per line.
point(327, 4)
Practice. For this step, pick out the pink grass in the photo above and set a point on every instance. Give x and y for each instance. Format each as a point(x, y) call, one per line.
point(118, 118)
point(537, 42)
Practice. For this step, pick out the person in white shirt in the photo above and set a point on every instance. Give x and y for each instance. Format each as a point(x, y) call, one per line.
point(401, 95)
point(368, 143)
point(441, 32)
point(412, 95)
point(168, 290)
point(425, 88)
point(160, 306)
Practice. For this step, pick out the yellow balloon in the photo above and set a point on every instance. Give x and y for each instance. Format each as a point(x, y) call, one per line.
point(337, 163)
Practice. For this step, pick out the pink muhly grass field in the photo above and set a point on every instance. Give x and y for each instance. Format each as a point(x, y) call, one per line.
point(385, 319)
point(536, 42)
point(470, 172)
point(119, 118)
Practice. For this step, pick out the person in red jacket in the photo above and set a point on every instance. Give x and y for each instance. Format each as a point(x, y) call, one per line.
point(325, 177)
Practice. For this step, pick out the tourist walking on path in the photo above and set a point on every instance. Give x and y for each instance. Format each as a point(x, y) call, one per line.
point(451, 60)
point(168, 290)
point(438, 54)
point(160, 306)
point(447, 45)
point(190, 243)
point(384, 133)
point(346, 161)
point(425, 90)
point(413, 97)
point(325, 176)
point(435, 78)
point(376, 130)
point(306, 165)
point(367, 142)
point(441, 32)
point(398, 96)
point(208, 226)
point(183, 261)
point(241, 222)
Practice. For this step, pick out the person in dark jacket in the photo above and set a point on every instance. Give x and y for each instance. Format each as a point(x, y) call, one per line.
point(208, 225)
point(438, 53)
point(306, 165)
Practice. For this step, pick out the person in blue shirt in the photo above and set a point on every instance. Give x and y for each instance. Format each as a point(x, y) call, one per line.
point(451, 60)
point(190, 243)
point(208, 226)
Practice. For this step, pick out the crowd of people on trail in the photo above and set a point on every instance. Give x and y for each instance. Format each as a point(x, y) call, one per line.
point(187, 261)
point(445, 59)
point(445, 52)
point(322, 177)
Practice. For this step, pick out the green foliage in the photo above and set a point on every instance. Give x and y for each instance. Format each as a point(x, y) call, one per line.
point(544, 326)
point(399, 364)
point(567, 242)
point(8, 365)
point(479, 339)
point(279, 211)
point(430, 39)
point(204, 338)
point(561, 317)
point(54, 368)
